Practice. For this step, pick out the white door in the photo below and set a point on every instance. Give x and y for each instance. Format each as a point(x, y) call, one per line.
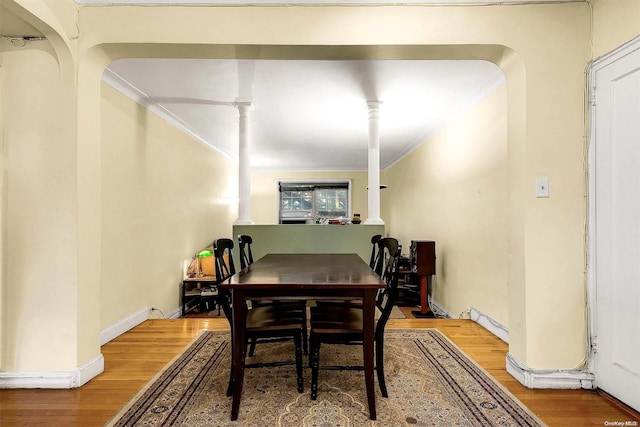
point(615, 223)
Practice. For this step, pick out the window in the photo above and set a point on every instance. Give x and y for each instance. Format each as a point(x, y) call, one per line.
point(313, 202)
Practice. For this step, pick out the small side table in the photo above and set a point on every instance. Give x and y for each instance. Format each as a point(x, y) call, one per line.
point(196, 289)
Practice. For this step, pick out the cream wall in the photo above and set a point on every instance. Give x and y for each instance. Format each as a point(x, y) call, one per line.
point(165, 196)
point(545, 116)
point(542, 48)
point(453, 189)
point(39, 217)
point(264, 191)
point(615, 22)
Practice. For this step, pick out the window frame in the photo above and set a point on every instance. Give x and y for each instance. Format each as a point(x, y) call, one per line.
point(314, 183)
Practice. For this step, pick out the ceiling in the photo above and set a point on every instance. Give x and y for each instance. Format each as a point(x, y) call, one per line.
point(307, 114)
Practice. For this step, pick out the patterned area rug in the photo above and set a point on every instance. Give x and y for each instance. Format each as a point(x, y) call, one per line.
point(430, 383)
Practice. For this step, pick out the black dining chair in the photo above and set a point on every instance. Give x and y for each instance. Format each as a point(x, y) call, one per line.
point(286, 308)
point(223, 253)
point(372, 263)
point(262, 323)
point(334, 324)
point(244, 248)
point(374, 250)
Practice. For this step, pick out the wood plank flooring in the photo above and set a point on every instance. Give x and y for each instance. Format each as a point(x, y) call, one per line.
point(136, 356)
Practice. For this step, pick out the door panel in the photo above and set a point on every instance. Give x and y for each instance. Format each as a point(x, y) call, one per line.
point(617, 227)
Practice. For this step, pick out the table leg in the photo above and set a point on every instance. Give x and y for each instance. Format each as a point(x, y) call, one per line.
point(239, 350)
point(368, 349)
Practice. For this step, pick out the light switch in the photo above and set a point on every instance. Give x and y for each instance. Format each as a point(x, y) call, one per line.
point(542, 186)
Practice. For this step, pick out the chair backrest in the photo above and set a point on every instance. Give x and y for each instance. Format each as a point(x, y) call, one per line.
point(244, 246)
point(387, 269)
point(374, 250)
point(223, 251)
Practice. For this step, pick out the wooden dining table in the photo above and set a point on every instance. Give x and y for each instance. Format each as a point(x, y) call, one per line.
point(302, 277)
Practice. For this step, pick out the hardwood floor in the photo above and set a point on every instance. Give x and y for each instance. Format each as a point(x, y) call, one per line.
point(136, 356)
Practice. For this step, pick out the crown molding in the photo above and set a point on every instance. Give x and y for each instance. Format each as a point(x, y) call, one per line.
point(121, 85)
point(314, 3)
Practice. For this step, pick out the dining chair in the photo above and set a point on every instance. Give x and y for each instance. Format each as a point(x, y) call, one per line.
point(286, 308)
point(372, 263)
point(334, 324)
point(374, 250)
point(244, 248)
point(223, 253)
point(261, 323)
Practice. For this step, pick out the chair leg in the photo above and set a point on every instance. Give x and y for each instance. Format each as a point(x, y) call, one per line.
point(305, 345)
point(380, 366)
point(298, 344)
point(315, 366)
point(230, 385)
point(252, 346)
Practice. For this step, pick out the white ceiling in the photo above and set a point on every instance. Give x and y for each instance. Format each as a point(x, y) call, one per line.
point(307, 114)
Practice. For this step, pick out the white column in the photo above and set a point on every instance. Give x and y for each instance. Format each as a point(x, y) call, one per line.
point(244, 166)
point(374, 164)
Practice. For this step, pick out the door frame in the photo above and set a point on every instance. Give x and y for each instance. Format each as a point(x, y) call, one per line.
point(592, 320)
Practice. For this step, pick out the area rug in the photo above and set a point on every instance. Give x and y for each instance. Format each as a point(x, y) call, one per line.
point(430, 381)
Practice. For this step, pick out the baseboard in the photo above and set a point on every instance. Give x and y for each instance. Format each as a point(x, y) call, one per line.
point(489, 324)
point(530, 378)
point(53, 379)
point(438, 309)
point(175, 314)
point(132, 321)
point(557, 378)
point(82, 375)
point(123, 326)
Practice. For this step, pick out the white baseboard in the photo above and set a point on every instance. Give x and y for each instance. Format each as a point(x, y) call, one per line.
point(530, 378)
point(489, 324)
point(175, 314)
point(438, 309)
point(557, 378)
point(82, 375)
point(123, 326)
point(53, 379)
point(132, 321)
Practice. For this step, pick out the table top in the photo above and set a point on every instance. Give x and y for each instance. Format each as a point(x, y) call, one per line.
point(306, 271)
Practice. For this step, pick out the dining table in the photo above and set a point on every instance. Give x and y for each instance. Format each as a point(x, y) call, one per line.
point(302, 277)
